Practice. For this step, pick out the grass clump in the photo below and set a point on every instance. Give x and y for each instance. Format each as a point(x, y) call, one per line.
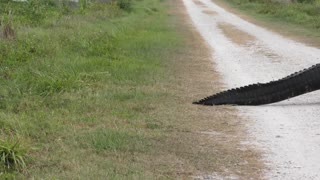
point(12, 156)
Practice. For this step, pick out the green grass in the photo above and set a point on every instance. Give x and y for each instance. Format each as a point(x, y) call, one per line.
point(12, 156)
point(303, 16)
point(81, 88)
point(114, 140)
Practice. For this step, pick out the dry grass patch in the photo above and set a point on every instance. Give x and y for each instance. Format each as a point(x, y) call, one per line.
point(245, 39)
point(210, 12)
point(199, 3)
point(236, 35)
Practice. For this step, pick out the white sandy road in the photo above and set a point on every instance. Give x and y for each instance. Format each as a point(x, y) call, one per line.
point(289, 131)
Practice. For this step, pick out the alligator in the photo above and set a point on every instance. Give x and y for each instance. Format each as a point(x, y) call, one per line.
point(296, 84)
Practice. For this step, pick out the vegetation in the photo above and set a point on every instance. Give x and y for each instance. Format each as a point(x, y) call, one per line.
point(103, 91)
point(304, 13)
point(12, 156)
point(79, 84)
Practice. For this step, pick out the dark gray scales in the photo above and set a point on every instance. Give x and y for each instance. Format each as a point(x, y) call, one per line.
point(296, 84)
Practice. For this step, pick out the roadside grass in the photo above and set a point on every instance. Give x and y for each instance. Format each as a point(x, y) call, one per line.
point(81, 89)
point(302, 18)
point(105, 93)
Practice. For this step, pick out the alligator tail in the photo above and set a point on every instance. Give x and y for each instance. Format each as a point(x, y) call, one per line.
point(296, 84)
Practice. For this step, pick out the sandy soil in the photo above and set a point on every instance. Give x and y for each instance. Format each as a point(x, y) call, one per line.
point(244, 53)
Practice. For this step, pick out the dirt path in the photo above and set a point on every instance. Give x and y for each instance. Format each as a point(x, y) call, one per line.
point(243, 53)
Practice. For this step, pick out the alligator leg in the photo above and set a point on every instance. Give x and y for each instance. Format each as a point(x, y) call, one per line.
point(293, 85)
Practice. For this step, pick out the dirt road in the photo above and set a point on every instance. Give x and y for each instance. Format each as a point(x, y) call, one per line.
point(288, 132)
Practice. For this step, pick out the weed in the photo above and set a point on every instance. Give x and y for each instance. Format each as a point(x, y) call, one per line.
point(125, 4)
point(8, 31)
point(12, 156)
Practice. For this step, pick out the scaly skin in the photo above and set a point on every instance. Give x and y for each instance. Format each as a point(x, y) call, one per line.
point(296, 84)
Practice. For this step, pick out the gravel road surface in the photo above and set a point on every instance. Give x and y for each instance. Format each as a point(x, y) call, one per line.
point(288, 132)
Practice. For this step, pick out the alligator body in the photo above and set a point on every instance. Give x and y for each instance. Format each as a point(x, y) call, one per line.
point(296, 84)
